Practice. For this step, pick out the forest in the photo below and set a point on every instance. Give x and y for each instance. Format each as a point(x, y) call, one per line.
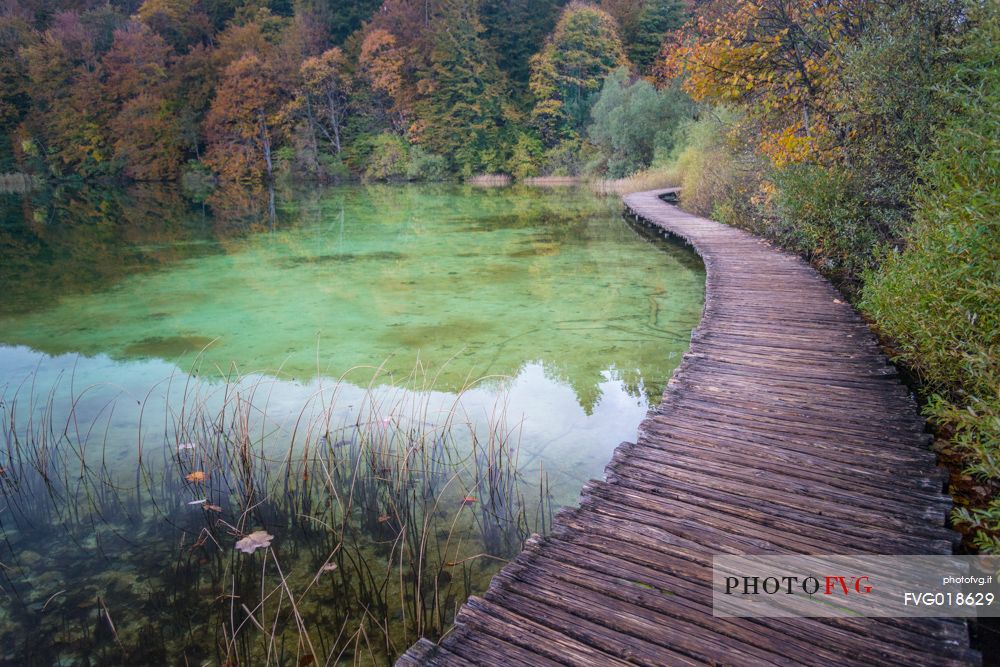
point(404, 89)
point(862, 135)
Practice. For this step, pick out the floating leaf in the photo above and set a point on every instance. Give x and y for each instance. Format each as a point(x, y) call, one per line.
point(212, 508)
point(196, 476)
point(259, 539)
point(383, 518)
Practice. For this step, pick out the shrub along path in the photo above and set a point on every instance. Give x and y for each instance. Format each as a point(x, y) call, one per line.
point(784, 431)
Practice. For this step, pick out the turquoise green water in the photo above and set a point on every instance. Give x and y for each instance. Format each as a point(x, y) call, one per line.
point(510, 336)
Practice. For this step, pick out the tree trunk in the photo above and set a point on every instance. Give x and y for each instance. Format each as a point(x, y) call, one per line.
point(265, 141)
point(331, 101)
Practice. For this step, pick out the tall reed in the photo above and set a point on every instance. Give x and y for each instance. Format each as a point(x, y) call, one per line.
point(383, 515)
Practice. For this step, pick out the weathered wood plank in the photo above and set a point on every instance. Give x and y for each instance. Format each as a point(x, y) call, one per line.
point(784, 430)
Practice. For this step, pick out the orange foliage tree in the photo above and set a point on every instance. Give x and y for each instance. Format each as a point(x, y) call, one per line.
point(146, 130)
point(324, 94)
point(241, 120)
point(381, 65)
point(781, 60)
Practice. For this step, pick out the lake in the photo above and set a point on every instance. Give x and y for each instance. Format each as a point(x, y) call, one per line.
point(301, 427)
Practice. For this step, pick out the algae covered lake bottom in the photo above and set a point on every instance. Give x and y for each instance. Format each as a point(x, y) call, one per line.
point(397, 384)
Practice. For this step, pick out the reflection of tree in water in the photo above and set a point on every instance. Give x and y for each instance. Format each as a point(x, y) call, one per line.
point(85, 239)
point(496, 278)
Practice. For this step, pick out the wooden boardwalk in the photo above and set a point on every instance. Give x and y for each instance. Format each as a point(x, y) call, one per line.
point(784, 431)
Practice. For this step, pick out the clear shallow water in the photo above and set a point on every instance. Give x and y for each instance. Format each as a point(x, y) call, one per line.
point(541, 327)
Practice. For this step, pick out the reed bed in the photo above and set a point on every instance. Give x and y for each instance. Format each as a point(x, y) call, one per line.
point(490, 180)
point(650, 179)
point(338, 535)
point(552, 181)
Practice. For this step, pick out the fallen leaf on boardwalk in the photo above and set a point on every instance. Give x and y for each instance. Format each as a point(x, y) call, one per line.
point(837, 301)
point(196, 476)
point(259, 539)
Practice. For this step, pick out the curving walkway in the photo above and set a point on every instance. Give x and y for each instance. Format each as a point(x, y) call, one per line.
point(784, 431)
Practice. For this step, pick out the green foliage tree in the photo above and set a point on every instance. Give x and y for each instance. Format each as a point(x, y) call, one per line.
point(568, 71)
point(631, 119)
point(514, 29)
point(388, 157)
point(644, 37)
point(461, 110)
point(340, 17)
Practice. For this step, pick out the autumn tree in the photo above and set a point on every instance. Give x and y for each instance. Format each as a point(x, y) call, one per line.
point(324, 94)
point(182, 23)
point(70, 120)
point(624, 12)
point(570, 68)
point(380, 65)
point(193, 77)
point(845, 86)
point(240, 122)
point(781, 60)
point(146, 130)
point(15, 93)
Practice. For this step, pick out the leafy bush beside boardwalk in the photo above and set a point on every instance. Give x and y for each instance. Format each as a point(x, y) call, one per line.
point(939, 299)
point(887, 184)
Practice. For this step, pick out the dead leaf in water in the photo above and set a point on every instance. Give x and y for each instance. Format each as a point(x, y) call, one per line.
point(328, 567)
point(259, 539)
point(382, 518)
point(196, 476)
point(212, 508)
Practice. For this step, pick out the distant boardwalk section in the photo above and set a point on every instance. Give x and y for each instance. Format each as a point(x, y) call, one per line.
point(784, 431)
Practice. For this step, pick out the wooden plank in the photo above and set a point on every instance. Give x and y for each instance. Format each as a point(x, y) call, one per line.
point(784, 430)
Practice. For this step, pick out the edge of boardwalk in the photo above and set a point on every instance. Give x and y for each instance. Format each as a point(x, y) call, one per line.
point(783, 430)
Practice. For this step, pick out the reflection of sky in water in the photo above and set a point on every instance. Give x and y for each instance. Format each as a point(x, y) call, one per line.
point(583, 317)
point(555, 432)
point(126, 300)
